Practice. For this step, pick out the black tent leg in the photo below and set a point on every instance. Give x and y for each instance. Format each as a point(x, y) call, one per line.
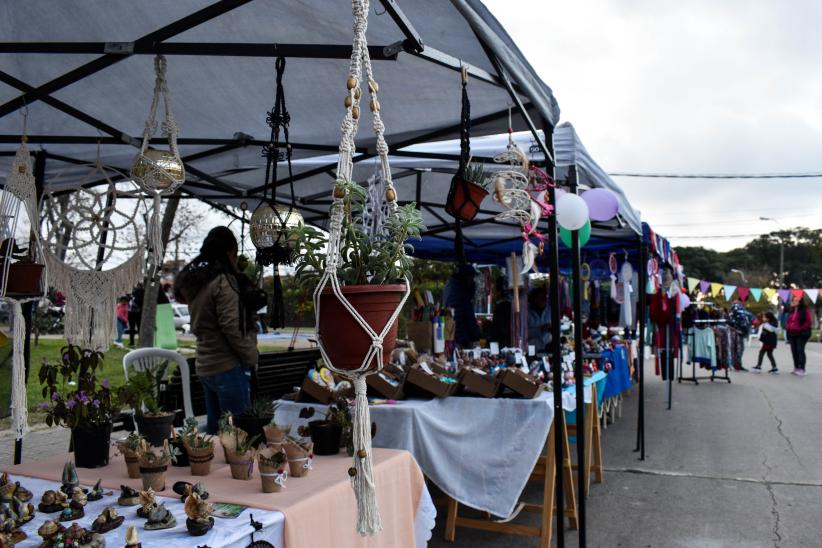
point(641, 352)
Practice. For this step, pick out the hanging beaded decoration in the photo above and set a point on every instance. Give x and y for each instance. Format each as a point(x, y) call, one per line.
point(362, 477)
point(158, 172)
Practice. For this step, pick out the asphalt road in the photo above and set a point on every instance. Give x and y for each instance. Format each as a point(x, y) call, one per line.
point(728, 465)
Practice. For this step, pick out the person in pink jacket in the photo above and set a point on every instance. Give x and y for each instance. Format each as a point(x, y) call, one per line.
point(798, 329)
point(122, 317)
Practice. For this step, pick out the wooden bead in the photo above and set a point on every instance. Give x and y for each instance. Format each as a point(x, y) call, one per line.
point(355, 112)
point(373, 86)
point(357, 93)
point(352, 472)
point(339, 192)
point(390, 195)
point(362, 453)
point(348, 101)
point(351, 83)
point(375, 105)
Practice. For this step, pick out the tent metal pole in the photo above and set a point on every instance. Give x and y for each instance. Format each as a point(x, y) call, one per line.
point(413, 40)
point(579, 378)
point(556, 366)
point(640, 431)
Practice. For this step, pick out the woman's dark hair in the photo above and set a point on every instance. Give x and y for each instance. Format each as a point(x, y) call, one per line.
point(770, 318)
point(218, 244)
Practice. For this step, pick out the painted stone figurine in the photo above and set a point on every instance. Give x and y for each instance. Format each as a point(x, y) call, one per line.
point(198, 512)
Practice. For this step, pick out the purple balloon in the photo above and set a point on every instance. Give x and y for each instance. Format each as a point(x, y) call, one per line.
point(603, 204)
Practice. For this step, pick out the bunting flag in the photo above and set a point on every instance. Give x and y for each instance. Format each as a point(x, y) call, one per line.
point(769, 293)
point(812, 294)
point(692, 283)
point(756, 293)
point(784, 294)
point(798, 293)
point(715, 289)
point(743, 293)
point(704, 286)
point(729, 291)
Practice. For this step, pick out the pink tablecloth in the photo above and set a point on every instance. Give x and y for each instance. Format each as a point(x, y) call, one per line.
point(320, 509)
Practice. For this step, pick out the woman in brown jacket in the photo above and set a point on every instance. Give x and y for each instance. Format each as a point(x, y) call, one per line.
point(226, 336)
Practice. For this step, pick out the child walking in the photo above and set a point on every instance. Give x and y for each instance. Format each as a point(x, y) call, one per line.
point(767, 336)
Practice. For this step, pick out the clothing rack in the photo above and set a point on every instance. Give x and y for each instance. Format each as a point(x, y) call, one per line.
point(694, 378)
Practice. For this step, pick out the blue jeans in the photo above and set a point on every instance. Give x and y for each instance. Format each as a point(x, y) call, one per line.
point(226, 391)
point(121, 328)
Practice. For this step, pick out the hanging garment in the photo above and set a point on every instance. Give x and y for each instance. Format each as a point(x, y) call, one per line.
point(703, 350)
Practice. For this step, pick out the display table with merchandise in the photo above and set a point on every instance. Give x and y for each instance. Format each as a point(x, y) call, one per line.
point(316, 510)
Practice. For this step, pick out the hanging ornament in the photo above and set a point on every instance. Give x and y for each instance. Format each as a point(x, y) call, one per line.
point(271, 222)
point(23, 269)
point(102, 231)
point(158, 172)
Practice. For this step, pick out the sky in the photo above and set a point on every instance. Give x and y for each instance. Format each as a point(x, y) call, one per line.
point(698, 87)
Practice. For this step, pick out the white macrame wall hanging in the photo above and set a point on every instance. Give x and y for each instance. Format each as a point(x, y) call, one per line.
point(362, 478)
point(101, 232)
point(19, 195)
point(158, 172)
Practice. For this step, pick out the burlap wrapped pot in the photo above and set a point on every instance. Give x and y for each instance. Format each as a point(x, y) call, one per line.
point(154, 477)
point(276, 434)
point(199, 460)
point(299, 457)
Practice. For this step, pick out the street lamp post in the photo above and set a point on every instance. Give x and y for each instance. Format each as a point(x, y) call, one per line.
point(741, 274)
point(781, 251)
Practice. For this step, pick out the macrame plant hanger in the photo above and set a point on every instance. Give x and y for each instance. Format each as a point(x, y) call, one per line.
point(158, 172)
point(19, 192)
point(270, 222)
point(362, 478)
point(460, 190)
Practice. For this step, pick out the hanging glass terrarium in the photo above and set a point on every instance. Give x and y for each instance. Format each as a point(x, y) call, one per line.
point(269, 228)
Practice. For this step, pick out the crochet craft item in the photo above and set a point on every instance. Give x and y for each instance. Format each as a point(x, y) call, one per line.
point(23, 276)
point(360, 71)
point(158, 172)
point(102, 231)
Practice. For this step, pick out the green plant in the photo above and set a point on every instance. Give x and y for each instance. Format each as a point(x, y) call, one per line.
point(260, 408)
point(476, 174)
point(191, 437)
point(244, 444)
point(379, 259)
point(224, 424)
point(132, 442)
point(338, 413)
point(76, 399)
point(142, 390)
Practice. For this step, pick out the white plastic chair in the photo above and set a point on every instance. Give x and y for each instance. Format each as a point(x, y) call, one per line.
point(145, 358)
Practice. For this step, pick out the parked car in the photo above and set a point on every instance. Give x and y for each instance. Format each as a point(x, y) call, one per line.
point(182, 318)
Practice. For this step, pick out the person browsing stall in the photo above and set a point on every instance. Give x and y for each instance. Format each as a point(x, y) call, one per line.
point(539, 319)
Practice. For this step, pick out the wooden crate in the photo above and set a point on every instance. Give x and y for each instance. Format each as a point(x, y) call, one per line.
point(310, 391)
point(513, 380)
point(378, 387)
point(477, 384)
point(418, 383)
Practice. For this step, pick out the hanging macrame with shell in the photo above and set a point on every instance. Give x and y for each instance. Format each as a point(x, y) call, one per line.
point(23, 271)
point(158, 172)
point(93, 230)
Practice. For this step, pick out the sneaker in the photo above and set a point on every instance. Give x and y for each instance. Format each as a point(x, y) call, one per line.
point(757, 369)
point(774, 371)
point(801, 372)
point(795, 372)
point(741, 368)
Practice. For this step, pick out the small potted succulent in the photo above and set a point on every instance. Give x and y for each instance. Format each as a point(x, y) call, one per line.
point(199, 447)
point(130, 449)
point(300, 453)
point(154, 465)
point(276, 433)
point(24, 273)
point(468, 190)
point(327, 432)
point(241, 455)
point(372, 272)
point(254, 419)
point(74, 398)
point(225, 432)
point(273, 473)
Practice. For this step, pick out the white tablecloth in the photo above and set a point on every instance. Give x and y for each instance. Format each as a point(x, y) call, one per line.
point(233, 533)
point(479, 451)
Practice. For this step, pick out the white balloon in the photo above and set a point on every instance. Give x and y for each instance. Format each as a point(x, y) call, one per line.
point(572, 212)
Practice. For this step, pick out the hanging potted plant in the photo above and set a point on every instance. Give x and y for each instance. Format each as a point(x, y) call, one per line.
point(372, 272)
point(24, 272)
point(241, 455)
point(141, 392)
point(254, 419)
point(200, 448)
point(272, 464)
point(130, 449)
point(468, 190)
point(154, 465)
point(75, 399)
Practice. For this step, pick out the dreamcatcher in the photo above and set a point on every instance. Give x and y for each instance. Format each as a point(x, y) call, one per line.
point(155, 171)
point(93, 229)
point(271, 221)
point(520, 190)
point(23, 276)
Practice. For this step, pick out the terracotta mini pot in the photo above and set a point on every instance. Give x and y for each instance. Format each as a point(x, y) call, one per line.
point(344, 340)
point(242, 467)
point(154, 477)
point(132, 465)
point(200, 460)
point(464, 199)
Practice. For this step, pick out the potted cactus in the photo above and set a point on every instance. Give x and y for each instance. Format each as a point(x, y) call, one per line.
point(130, 449)
point(468, 190)
point(198, 447)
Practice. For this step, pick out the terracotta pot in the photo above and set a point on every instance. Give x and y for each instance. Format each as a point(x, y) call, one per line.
point(242, 466)
point(24, 279)
point(345, 342)
point(200, 460)
point(464, 199)
point(132, 464)
point(154, 477)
